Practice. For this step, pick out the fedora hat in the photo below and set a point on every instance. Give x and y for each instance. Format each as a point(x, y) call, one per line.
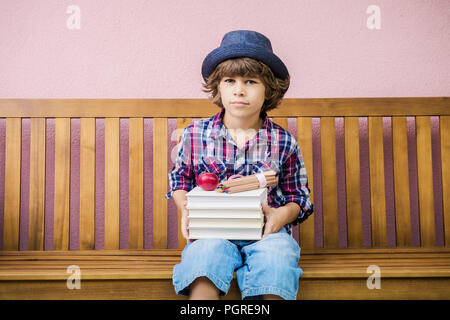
point(244, 43)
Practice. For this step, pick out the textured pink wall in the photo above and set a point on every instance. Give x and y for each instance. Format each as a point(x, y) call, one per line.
point(154, 49)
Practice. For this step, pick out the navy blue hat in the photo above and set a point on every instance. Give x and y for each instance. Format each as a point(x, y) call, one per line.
point(244, 43)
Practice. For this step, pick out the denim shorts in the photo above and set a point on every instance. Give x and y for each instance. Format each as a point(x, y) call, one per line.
point(266, 266)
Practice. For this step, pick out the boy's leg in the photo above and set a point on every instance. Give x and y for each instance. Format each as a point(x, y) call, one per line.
point(203, 289)
point(211, 259)
point(270, 268)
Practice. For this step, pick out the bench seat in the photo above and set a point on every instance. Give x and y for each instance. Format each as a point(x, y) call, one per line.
point(406, 273)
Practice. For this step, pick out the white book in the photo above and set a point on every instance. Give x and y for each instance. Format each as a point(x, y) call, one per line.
point(225, 213)
point(226, 223)
point(208, 205)
point(226, 233)
point(233, 216)
point(199, 197)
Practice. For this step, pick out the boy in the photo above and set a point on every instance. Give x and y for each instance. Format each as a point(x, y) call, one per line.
point(245, 79)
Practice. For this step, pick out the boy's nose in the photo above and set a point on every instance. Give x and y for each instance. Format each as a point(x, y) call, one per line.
point(239, 89)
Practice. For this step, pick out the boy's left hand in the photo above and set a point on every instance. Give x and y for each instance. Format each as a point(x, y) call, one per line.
point(273, 219)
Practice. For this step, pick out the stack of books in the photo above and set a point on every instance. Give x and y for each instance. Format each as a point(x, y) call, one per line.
point(235, 216)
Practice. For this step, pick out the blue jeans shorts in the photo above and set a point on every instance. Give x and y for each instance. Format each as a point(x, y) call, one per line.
point(266, 266)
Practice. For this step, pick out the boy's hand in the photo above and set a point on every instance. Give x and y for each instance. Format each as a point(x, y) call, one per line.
point(273, 217)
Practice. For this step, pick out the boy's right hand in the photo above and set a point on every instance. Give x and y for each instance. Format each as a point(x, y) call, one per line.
point(185, 221)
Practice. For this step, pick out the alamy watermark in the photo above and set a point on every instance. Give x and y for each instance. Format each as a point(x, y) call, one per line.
point(74, 280)
point(374, 20)
point(374, 280)
point(73, 22)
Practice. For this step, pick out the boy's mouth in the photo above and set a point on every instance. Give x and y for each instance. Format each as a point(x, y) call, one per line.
point(239, 103)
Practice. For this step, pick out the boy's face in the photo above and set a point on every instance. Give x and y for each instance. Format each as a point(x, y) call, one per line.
point(242, 97)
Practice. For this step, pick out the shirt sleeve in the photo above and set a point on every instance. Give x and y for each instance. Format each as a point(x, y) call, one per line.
point(182, 175)
point(294, 184)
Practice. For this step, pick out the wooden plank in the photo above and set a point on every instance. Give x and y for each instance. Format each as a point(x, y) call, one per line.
point(391, 289)
point(62, 184)
point(160, 182)
point(87, 184)
point(425, 181)
point(314, 253)
point(353, 182)
point(282, 121)
point(304, 137)
point(37, 185)
point(112, 195)
point(445, 164)
point(181, 124)
point(127, 289)
point(136, 191)
point(377, 190)
point(329, 183)
point(11, 213)
point(193, 108)
point(401, 181)
point(162, 289)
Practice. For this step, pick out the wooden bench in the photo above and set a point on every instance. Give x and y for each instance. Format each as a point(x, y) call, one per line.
point(82, 183)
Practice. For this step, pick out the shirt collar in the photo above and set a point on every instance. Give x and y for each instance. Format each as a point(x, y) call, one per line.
point(219, 129)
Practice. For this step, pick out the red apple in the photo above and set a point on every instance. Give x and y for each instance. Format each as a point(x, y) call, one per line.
point(208, 181)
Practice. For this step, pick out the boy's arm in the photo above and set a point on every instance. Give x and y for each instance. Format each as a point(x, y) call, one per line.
point(293, 183)
point(182, 175)
point(182, 179)
point(179, 196)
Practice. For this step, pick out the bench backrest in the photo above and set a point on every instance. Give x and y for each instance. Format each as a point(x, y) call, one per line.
point(92, 173)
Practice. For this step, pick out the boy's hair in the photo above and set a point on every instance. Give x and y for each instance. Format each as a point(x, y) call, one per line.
point(247, 67)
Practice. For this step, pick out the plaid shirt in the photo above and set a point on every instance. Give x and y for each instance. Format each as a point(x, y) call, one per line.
point(207, 146)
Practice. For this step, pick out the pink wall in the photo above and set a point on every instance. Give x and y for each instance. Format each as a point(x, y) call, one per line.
point(154, 49)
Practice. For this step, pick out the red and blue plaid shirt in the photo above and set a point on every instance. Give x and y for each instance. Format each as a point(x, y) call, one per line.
point(207, 146)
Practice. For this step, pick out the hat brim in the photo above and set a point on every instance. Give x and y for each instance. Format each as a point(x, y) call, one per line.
point(223, 53)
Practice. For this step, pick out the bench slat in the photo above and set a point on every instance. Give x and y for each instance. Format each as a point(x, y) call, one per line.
point(377, 183)
point(445, 165)
point(353, 182)
point(37, 184)
point(136, 184)
point(62, 184)
point(304, 138)
point(11, 211)
point(329, 183)
point(425, 181)
point(87, 183)
point(165, 108)
point(160, 183)
point(112, 183)
point(281, 121)
point(401, 182)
